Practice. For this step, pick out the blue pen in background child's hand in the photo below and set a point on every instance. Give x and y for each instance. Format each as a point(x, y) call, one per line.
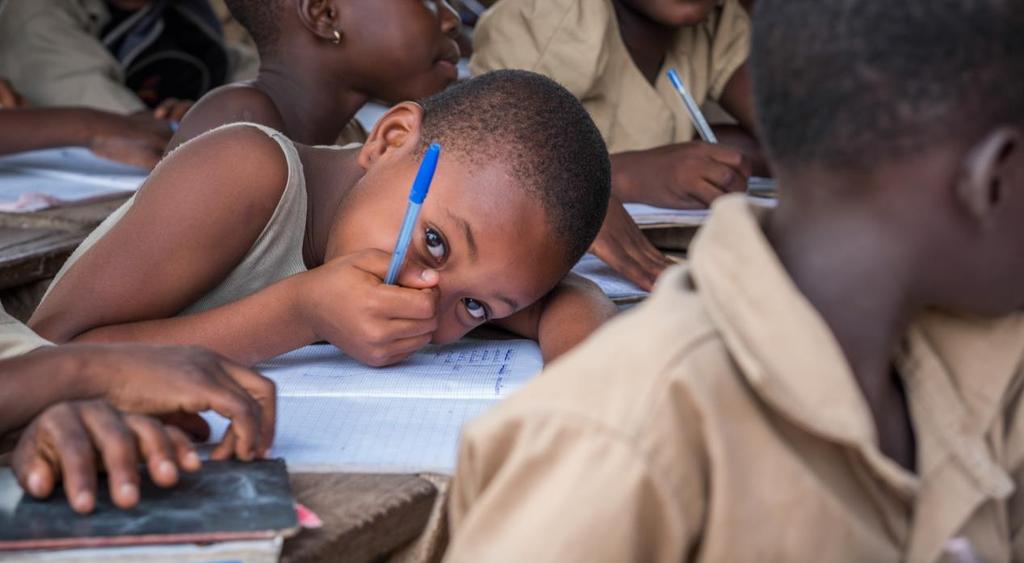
point(420, 187)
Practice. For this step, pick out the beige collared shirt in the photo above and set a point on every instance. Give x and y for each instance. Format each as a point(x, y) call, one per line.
point(577, 43)
point(50, 51)
point(724, 424)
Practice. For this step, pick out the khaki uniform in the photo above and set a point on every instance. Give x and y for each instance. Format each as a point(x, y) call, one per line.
point(50, 51)
point(723, 423)
point(578, 44)
point(16, 338)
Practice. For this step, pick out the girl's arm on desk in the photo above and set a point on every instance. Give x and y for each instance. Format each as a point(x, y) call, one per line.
point(136, 140)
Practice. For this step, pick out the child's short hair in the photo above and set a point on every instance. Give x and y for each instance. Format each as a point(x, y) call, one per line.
point(259, 17)
point(844, 83)
point(542, 134)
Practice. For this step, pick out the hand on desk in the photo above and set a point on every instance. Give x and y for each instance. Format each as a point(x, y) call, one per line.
point(680, 176)
point(68, 439)
point(119, 387)
point(346, 303)
point(138, 140)
point(623, 246)
point(172, 109)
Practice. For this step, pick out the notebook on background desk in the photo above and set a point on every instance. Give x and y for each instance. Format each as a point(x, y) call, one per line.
point(336, 414)
point(36, 180)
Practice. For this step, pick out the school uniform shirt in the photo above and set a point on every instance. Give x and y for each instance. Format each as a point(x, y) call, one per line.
point(51, 52)
point(720, 421)
point(16, 338)
point(578, 44)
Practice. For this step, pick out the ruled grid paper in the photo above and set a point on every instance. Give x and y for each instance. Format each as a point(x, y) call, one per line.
point(335, 414)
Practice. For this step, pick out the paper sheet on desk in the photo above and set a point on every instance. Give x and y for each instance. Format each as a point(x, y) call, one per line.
point(37, 180)
point(651, 216)
point(335, 414)
point(616, 287)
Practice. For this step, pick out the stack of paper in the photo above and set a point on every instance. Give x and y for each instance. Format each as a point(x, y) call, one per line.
point(41, 179)
point(335, 414)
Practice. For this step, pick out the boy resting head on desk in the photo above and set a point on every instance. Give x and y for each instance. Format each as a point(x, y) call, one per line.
point(613, 55)
point(252, 245)
point(839, 379)
point(77, 405)
point(320, 62)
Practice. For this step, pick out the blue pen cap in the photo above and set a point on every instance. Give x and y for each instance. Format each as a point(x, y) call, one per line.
point(421, 185)
point(673, 76)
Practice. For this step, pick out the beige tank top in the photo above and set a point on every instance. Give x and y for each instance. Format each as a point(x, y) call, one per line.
point(275, 255)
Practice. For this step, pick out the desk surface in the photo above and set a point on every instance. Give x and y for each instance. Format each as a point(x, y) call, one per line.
point(365, 516)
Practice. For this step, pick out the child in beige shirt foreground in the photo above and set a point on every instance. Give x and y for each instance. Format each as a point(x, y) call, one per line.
point(836, 380)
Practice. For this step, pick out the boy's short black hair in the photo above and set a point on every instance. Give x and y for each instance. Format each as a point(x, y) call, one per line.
point(542, 133)
point(261, 18)
point(845, 83)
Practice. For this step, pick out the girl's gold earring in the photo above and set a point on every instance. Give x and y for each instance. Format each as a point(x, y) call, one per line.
point(337, 37)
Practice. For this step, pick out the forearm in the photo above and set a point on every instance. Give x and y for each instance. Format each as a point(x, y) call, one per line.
point(572, 312)
point(39, 379)
point(625, 184)
point(564, 318)
point(28, 129)
point(258, 327)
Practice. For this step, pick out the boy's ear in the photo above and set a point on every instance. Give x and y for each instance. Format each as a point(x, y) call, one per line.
point(398, 130)
point(322, 18)
point(985, 174)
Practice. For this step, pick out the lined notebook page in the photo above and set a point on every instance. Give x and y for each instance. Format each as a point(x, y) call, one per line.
point(335, 414)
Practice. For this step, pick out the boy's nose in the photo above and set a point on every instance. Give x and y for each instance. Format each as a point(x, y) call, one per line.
point(451, 24)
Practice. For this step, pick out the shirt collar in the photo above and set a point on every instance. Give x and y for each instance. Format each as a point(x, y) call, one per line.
point(961, 367)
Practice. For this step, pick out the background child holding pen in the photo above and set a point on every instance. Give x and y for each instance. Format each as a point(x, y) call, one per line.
point(262, 245)
point(613, 55)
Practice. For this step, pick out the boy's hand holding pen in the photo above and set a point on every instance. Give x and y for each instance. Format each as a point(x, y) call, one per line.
point(347, 303)
point(379, 323)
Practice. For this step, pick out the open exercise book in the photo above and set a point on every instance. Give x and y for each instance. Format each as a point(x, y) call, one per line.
point(36, 180)
point(335, 414)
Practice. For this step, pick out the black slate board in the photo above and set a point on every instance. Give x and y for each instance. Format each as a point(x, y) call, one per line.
point(225, 500)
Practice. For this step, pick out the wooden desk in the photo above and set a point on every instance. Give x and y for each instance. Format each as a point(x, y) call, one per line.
point(366, 517)
point(33, 247)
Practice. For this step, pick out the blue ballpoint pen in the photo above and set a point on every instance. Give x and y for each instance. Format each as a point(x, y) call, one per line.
point(699, 122)
point(420, 186)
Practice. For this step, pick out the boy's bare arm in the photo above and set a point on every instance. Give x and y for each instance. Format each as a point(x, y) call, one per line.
point(191, 224)
point(235, 103)
point(564, 318)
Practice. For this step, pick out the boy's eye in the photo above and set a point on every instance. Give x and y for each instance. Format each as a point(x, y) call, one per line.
point(435, 244)
point(475, 309)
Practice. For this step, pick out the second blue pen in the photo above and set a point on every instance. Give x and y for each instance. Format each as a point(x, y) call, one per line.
point(420, 187)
